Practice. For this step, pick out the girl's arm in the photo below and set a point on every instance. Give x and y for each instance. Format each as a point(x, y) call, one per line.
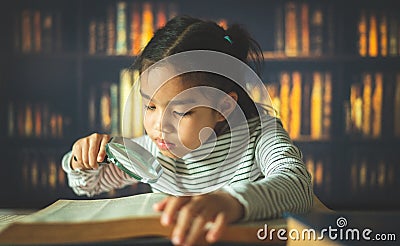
point(94, 182)
point(85, 180)
point(286, 185)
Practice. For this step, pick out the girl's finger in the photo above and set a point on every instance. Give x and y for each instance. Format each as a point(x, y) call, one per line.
point(102, 150)
point(217, 228)
point(171, 209)
point(197, 230)
point(160, 206)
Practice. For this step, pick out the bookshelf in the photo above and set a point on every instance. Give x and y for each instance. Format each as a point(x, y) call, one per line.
point(57, 82)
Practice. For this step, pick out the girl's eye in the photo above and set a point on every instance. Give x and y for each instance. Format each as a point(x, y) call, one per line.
point(148, 107)
point(183, 114)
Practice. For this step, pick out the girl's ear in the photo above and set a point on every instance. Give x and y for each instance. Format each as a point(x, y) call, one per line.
point(227, 104)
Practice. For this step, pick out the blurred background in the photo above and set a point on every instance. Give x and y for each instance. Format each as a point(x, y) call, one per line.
point(332, 69)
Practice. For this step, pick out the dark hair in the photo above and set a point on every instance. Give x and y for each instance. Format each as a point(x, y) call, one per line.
point(185, 33)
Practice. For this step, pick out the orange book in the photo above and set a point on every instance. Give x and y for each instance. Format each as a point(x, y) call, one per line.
point(147, 24)
point(285, 101)
point(383, 34)
point(362, 34)
point(26, 31)
point(316, 106)
point(37, 31)
point(290, 29)
point(373, 36)
point(305, 30)
point(377, 99)
point(366, 106)
point(295, 106)
point(28, 120)
point(110, 29)
point(161, 15)
point(136, 26)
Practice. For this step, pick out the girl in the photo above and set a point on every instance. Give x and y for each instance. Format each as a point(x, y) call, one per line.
point(197, 136)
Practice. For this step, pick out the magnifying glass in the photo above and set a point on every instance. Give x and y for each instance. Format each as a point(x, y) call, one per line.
point(133, 159)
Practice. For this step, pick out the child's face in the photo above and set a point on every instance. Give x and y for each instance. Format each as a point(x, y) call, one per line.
point(178, 120)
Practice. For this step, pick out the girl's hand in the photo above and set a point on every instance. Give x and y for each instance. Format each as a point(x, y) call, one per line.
point(88, 151)
point(190, 214)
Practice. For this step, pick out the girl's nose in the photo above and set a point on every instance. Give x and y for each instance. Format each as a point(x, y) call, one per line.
point(164, 123)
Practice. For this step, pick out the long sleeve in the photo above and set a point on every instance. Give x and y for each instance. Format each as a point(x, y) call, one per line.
point(286, 185)
point(93, 182)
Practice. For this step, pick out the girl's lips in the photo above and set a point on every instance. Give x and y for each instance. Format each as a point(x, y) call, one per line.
point(164, 145)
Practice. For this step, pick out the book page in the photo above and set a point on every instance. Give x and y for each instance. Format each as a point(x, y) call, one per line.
point(75, 211)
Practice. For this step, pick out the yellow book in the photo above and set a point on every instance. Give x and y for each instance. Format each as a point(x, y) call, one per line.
point(125, 87)
point(135, 32)
point(285, 101)
point(362, 34)
point(28, 120)
point(137, 106)
point(377, 98)
point(366, 106)
point(295, 106)
point(373, 36)
point(316, 106)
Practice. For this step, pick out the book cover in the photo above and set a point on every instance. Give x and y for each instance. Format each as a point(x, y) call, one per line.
point(147, 24)
point(295, 106)
point(285, 100)
point(383, 34)
point(377, 98)
point(316, 105)
point(373, 35)
point(110, 29)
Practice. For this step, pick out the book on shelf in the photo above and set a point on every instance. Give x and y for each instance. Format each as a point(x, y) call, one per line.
point(367, 108)
point(303, 101)
point(396, 105)
point(38, 31)
point(108, 220)
point(378, 33)
point(121, 28)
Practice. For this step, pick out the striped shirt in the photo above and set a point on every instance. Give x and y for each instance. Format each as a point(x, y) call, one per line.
point(256, 163)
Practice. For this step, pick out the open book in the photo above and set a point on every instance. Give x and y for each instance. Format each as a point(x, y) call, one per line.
point(80, 221)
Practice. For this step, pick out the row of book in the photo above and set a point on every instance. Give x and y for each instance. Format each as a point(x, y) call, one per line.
point(303, 101)
point(303, 29)
point(319, 168)
point(371, 173)
point(378, 33)
point(38, 31)
point(35, 120)
point(40, 170)
point(374, 97)
point(116, 107)
point(124, 28)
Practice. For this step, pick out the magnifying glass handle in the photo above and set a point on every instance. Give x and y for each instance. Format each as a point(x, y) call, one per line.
point(105, 161)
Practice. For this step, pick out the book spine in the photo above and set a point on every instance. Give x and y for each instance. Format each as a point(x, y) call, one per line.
point(316, 106)
point(110, 29)
point(295, 106)
point(306, 105)
point(383, 35)
point(114, 109)
point(291, 35)
point(327, 105)
point(377, 99)
point(305, 29)
point(366, 107)
point(92, 37)
point(393, 35)
point(121, 25)
point(373, 36)
point(316, 29)
point(279, 41)
point(285, 101)
point(147, 24)
point(362, 34)
point(105, 108)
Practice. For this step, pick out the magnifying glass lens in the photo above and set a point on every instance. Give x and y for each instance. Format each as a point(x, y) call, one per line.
point(133, 159)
